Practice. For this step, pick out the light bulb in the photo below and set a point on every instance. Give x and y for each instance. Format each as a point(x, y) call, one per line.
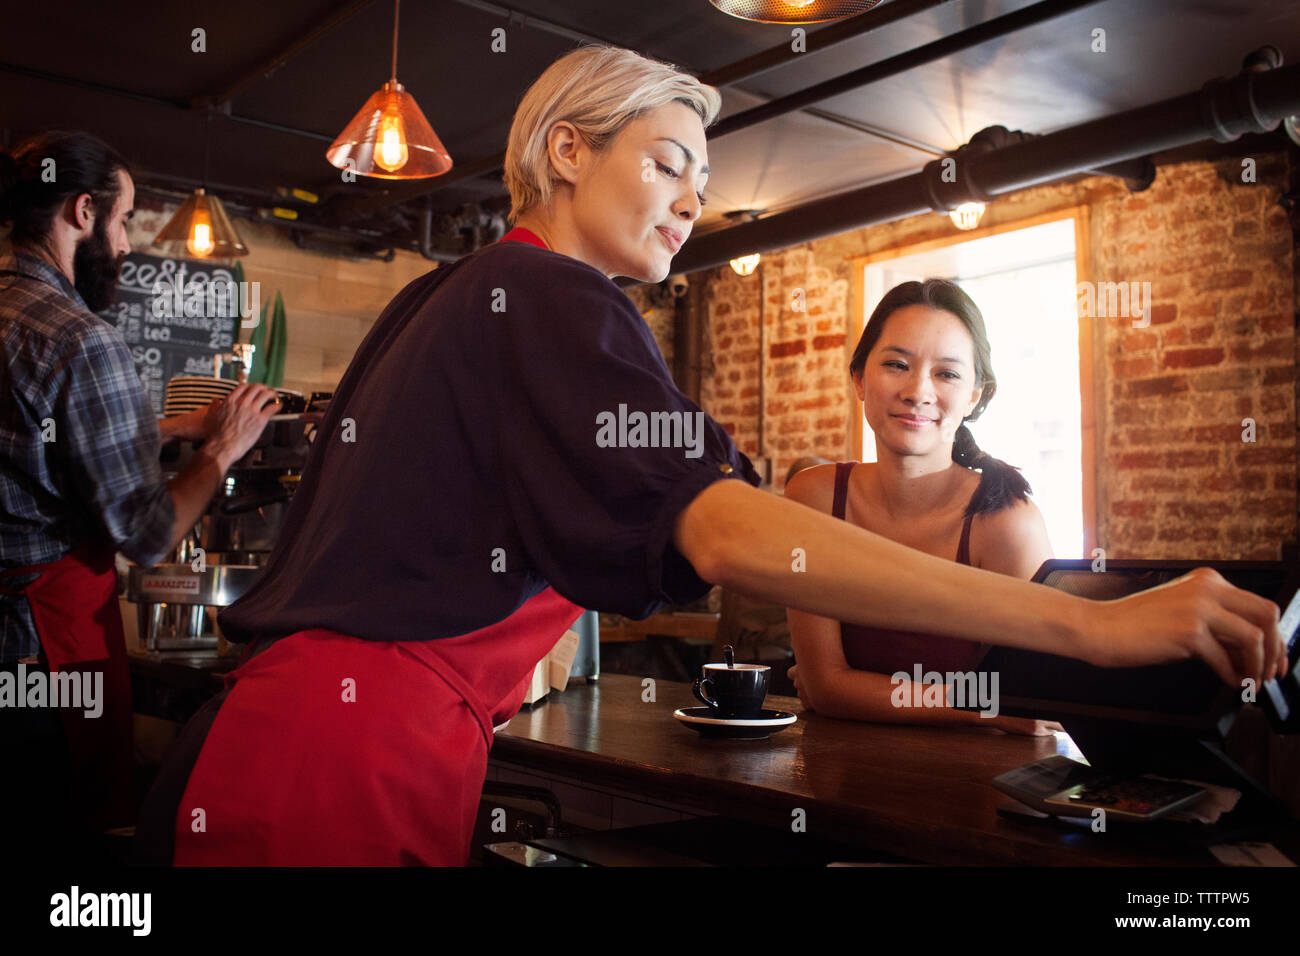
point(967, 215)
point(1292, 127)
point(200, 241)
point(390, 146)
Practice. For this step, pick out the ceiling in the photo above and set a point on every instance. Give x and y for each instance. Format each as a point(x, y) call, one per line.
point(126, 72)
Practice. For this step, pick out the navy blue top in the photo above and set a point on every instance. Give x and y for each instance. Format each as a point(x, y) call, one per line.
point(479, 408)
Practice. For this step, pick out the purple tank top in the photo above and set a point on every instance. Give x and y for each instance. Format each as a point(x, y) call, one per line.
point(885, 651)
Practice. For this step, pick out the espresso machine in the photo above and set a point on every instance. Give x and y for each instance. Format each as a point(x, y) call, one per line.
point(219, 559)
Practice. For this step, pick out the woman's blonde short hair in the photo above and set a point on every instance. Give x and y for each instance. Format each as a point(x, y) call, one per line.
point(599, 89)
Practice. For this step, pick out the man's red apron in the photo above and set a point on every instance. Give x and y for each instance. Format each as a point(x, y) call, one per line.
point(75, 610)
point(331, 750)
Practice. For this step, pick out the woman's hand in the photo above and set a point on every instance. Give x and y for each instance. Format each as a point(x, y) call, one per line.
point(1197, 615)
point(804, 697)
point(1025, 725)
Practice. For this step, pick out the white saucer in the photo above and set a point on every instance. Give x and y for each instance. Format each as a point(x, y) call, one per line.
point(751, 728)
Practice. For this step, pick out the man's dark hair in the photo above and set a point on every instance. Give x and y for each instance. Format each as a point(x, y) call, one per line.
point(32, 189)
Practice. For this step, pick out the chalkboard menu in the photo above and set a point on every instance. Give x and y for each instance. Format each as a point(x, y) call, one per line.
point(175, 315)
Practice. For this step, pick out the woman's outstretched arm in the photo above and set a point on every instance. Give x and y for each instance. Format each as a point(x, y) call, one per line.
point(755, 543)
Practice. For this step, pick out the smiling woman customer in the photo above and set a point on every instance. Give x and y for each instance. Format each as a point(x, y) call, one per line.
point(922, 369)
point(458, 512)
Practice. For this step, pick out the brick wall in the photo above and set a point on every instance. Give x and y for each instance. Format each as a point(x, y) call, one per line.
point(659, 315)
point(804, 311)
point(1221, 350)
point(1174, 477)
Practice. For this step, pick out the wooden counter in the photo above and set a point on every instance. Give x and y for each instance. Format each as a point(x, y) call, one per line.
point(919, 793)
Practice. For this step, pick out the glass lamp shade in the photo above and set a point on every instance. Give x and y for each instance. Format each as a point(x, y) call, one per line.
point(204, 230)
point(793, 11)
point(745, 265)
point(389, 138)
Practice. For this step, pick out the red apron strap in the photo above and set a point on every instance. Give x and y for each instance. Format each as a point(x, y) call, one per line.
point(430, 658)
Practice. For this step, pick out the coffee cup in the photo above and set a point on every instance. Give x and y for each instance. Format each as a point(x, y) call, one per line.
point(732, 691)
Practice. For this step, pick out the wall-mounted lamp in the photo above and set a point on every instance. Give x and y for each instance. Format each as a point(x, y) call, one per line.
point(744, 265)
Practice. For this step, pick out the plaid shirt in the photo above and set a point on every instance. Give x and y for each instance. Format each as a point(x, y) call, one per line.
point(79, 441)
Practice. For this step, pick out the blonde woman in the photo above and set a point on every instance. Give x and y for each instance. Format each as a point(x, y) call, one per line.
point(467, 498)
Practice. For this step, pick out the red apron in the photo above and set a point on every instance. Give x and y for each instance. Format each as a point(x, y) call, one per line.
point(75, 610)
point(330, 750)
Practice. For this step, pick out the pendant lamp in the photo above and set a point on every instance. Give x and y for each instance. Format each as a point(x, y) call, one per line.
point(201, 224)
point(389, 138)
point(793, 11)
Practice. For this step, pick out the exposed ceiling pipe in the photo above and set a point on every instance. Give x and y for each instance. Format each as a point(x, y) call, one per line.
point(299, 239)
point(426, 238)
point(485, 227)
point(160, 182)
point(1224, 109)
point(488, 227)
point(253, 213)
point(1138, 173)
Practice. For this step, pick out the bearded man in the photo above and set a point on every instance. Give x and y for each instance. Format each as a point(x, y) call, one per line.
point(79, 481)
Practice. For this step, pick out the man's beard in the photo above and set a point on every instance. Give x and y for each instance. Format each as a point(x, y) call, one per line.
point(95, 268)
